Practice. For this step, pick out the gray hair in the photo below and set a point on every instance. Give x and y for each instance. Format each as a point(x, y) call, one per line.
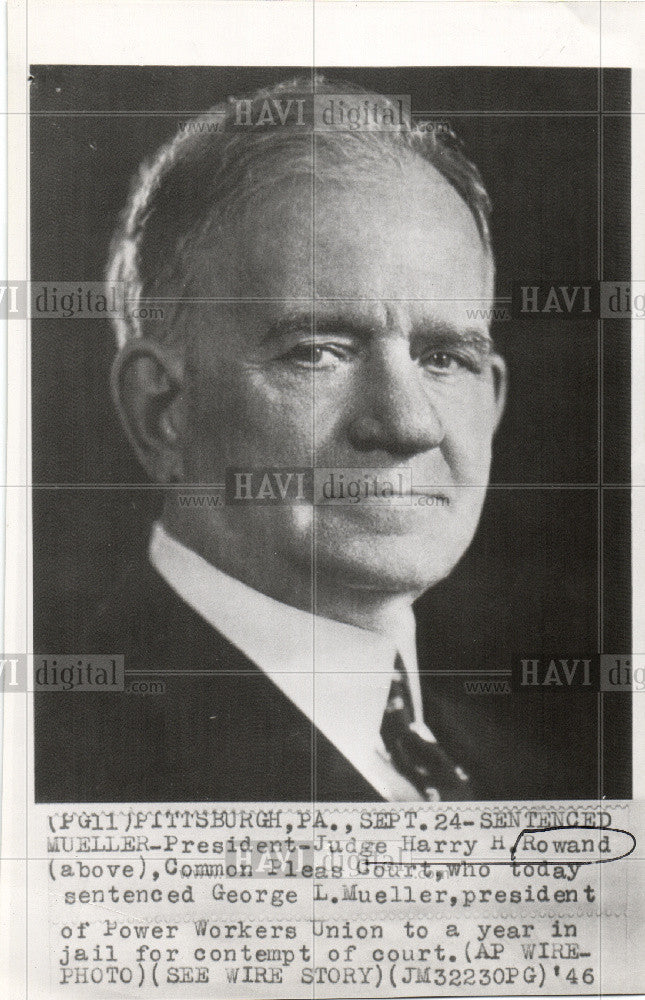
point(214, 165)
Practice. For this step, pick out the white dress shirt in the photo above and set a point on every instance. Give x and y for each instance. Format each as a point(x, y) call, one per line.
point(338, 675)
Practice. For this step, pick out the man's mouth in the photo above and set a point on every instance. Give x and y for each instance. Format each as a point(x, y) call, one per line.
point(431, 493)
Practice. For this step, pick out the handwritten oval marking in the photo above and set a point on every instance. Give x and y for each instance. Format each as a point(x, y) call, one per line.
point(593, 845)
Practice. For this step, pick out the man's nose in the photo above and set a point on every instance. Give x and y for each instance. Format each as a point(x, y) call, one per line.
point(393, 409)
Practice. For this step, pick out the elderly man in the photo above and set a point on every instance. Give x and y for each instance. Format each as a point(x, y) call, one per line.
point(317, 286)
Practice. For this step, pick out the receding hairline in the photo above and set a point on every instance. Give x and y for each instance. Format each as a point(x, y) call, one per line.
point(151, 251)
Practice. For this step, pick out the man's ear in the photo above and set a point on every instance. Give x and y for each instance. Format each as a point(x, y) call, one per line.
point(147, 383)
point(500, 386)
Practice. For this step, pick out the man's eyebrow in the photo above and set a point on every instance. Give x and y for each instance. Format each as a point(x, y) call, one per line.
point(447, 335)
point(438, 334)
point(309, 323)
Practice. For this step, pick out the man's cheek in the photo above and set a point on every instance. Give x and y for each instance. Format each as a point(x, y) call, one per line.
point(466, 448)
point(479, 462)
point(242, 410)
point(469, 437)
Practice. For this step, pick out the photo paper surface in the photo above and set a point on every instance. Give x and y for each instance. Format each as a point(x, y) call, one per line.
point(322, 633)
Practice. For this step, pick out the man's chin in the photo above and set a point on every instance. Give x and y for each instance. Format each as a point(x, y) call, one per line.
point(392, 565)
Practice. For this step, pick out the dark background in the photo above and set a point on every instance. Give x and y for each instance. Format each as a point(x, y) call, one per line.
point(530, 582)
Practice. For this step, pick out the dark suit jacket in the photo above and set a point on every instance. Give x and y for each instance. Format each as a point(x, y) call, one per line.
point(230, 735)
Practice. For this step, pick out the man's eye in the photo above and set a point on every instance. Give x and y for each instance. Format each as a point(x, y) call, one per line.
point(314, 355)
point(442, 360)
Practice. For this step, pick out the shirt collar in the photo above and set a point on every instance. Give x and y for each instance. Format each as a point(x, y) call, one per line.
point(276, 636)
point(338, 675)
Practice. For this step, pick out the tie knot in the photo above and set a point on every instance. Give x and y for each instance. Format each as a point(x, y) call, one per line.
point(399, 699)
point(399, 665)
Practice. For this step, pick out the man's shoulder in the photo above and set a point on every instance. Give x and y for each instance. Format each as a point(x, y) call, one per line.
point(144, 619)
point(197, 721)
point(148, 741)
point(515, 745)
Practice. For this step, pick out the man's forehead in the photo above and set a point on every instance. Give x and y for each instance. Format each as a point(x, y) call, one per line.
point(406, 235)
point(265, 323)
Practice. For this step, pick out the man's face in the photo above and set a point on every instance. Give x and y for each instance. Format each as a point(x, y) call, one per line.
point(349, 345)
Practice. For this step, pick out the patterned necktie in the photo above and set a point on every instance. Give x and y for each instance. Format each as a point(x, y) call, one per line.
point(422, 762)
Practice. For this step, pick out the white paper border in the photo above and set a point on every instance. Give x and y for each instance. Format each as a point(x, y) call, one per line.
point(281, 33)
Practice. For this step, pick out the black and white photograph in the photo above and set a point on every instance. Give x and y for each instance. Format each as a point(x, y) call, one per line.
point(323, 658)
point(336, 464)
point(328, 473)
